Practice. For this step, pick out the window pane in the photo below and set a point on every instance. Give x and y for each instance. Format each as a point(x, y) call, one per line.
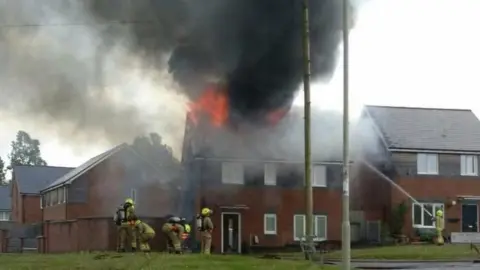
point(319, 176)
point(432, 163)
point(270, 223)
point(270, 175)
point(427, 219)
point(320, 227)
point(417, 214)
point(299, 227)
point(61, 194)
point(54, 197)
point(421, 163)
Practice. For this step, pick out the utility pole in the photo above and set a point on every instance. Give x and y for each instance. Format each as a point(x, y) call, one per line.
point(306, 90)
point(346, 147)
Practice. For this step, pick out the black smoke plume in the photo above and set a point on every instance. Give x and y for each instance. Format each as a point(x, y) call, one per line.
point(253, 46)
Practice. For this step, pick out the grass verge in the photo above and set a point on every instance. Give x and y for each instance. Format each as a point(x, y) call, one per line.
point(106, 261)
point(411, 252)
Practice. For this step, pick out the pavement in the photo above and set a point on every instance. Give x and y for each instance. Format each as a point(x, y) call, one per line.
point(402, 264)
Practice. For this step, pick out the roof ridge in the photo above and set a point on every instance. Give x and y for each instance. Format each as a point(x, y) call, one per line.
point(417, 108)
point(101, 157)
point(43, 166)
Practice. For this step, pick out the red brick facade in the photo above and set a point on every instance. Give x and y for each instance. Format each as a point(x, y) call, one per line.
point(284, 202)
point(25, 207)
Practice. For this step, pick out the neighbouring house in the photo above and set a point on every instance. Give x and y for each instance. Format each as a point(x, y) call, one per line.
point(27, 181)
point(433, 156)
point(253, 179)
point(5, 203)
point(84, 200)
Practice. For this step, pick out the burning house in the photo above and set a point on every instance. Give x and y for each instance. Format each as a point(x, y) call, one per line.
point(252, 176)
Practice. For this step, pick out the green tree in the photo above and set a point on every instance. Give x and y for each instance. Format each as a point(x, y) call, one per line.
point(25, 151)
point(2, 172)
point(154, 150)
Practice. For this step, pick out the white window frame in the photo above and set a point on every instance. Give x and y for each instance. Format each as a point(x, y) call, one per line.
point(464, 161)
point(233, 173)
point(427, 159)
point(315, 232)
point(65, 194)
point(267, 230)
point(435, 208)
point(317, 169)
point(41, 201)
point(5, 216)
point(60, 190)
point(270, 174)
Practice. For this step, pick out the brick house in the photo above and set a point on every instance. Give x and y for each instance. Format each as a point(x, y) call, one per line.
point(27, 181)
point(254, 181)
point(433, 155)
point(5, 203)
point(86, 198)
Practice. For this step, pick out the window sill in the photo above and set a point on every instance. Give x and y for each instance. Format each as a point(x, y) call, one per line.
point(270, 233)
point(471, 175)
point(423, 227)
point(230, 183)
point(318, 186)
point(314, 240)
point(425, 173)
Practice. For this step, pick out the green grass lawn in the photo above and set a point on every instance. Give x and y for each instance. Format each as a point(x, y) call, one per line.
point(106, 261)
point(411, 252)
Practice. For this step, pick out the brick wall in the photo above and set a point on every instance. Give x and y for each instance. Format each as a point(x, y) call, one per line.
point(89, 234)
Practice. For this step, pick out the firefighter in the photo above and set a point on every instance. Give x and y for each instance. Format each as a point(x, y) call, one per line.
point(145, 233)
point(125, 231)
point(206, 228)
point(439, 226)
point(174, 231)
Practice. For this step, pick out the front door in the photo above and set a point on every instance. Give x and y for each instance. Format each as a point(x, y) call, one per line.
point(469, 218)
point(231, 238)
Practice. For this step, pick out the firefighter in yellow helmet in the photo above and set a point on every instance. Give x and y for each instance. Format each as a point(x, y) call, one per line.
point(206, 228)
point(174, 231)
point(125, 231)
point(439, 226)
point(145, 233)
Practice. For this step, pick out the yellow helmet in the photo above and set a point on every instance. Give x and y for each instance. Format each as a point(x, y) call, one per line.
point(439, 213)
point(206, 211)
point(129, 200)
point(187, 228)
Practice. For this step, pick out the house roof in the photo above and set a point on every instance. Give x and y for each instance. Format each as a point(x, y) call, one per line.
point(427, 128)
point(282, 142)
point(32, 179)
point(69, 177)
point(5, 198)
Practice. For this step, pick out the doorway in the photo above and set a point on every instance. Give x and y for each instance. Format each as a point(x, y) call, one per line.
point(231, 233)
point(469, 218)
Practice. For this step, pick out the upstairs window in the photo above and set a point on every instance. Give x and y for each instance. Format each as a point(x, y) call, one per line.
point(319, 176)
point(4, 216)
point(469, 165)
point(270, 174)
point(232, 173)
point(427, 163)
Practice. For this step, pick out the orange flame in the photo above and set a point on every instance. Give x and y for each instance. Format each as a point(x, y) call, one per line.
point(214, 103)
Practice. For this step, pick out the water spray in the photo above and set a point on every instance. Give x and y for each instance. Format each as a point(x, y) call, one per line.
point(396, 185)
